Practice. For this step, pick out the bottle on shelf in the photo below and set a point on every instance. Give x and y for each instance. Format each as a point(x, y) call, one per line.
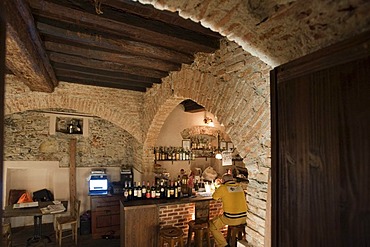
point(138, 189)
point(134, 191)
point(148, 190)
point(153, 191)
point(168, 190)
point(158, 191)
point(175, 190)
point(125, 191)
point(143, 190)
point(130, 192)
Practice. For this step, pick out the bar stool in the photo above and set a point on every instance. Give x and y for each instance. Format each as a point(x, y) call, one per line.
point(234, 233)
point(171, 235)
point(200, 230)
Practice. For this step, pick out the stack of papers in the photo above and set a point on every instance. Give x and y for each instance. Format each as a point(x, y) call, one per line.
point(26, 205)
point(53, 209)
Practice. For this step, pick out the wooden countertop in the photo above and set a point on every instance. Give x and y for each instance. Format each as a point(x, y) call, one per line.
point(163, 202)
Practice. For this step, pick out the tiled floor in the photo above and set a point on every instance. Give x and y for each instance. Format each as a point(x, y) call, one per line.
point(21, 234)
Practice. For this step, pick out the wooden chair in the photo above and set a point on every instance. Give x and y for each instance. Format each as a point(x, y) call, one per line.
point(235, 233)
point(7, 235)
point(71, 219)
point(200, 231)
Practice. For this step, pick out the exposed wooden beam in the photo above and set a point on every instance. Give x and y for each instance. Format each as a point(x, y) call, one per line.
point(110, 74)
point(105, 65)
point(25, 54)
point(148, 11)
point(115, 57)
point(100, 78)
point(126, 24)
point(120, 45)
point(100, 84)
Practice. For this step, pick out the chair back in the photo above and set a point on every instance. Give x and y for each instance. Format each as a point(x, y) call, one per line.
point(75, 208)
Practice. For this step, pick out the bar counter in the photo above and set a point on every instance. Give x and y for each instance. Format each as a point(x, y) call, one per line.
point(141, 220)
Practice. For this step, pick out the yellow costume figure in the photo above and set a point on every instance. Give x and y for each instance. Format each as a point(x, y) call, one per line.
point(234, 206)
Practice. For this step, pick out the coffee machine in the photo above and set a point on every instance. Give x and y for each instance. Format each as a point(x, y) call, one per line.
point(127, 175)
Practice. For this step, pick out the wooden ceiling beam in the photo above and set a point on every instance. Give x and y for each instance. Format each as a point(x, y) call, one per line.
point(120, 45)
point(105, 65)
point(110, 74)
point(115, 57)
point(25, 56)
point(125, 24)
point(100, 84)
point(99, 78)
point(148, 11)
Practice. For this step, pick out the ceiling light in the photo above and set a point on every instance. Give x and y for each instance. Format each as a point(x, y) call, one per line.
point(209, 121)
point(218, 156)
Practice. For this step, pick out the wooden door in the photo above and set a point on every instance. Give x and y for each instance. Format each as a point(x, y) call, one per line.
point(321, 148)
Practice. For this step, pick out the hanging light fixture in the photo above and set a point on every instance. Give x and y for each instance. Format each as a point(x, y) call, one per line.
point(218, 151)
point(208, 120)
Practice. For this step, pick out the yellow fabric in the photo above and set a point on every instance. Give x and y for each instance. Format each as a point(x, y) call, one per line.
point(233, 202)
point(218, 223)
point(232, 196)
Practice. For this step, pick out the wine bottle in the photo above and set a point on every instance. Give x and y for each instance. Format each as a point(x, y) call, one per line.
point(138, 189)
point(152, 191)
point(130, 192)
point(163, 194)
point(168, 190)
point(176, 191)
point(135, 191)
point(143, 191)
point(148, 194)
point(125, 191)
point(158, 191)
point(172, 190)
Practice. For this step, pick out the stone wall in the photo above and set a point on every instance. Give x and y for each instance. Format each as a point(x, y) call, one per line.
point(123, 108)
point(234, 86)
point(27, 138)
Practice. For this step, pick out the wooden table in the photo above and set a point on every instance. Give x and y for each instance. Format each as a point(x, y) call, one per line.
point(140, 218)
point(9, 212)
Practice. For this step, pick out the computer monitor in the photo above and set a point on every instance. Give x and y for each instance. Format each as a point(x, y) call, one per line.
point(98, 185)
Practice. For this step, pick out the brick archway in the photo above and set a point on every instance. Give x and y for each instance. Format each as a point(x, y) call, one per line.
point(239, 99)
point(236, 90)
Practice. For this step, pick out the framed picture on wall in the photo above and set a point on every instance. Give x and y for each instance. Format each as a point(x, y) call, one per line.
point(223, 145)
point(227, 158)
point(230, 146)
point(186, 144)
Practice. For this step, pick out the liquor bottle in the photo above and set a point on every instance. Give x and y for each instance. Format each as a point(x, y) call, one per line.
point(158, 191)
point(179, 188)
point(143, 191)
point(138, 189)
point(125, 191)
point(152, 191)
point(148, 194)
point(176, 191)
point(172, 190)
point(135, 191)
point(130, 192)
point(168, 190)
point(163, 192)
